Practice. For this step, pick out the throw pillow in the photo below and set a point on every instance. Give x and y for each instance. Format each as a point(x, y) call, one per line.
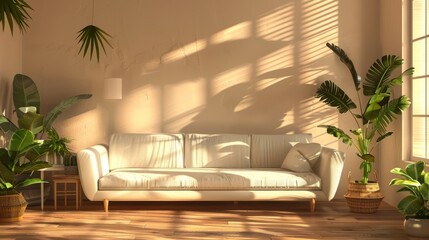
point(302, 157)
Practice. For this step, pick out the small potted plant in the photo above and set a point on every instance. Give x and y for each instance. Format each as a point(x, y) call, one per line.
point(415, 181)
point(70, 164)
point(371, 117)
point(56, 147)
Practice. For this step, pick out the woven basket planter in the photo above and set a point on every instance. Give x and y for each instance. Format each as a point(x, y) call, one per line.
point(363, 198)
point(12, 207)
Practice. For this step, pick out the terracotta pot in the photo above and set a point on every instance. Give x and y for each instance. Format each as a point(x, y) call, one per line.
point(417, 227)
point(363, 198)
point(12, 207)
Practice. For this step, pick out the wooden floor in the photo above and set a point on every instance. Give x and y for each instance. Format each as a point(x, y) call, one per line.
point(199, 220)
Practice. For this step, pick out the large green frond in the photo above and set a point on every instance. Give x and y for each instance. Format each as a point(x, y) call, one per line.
point(334, 96)
point(54, 113)
point(379, 73)
point(348, 62)
point(14, 11)
point(387, 113)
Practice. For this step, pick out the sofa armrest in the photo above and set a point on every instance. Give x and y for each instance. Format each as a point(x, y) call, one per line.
point(329, 170)
point(93, 163)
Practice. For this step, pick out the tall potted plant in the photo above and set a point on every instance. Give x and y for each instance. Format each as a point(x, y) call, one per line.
point(19, 157)
point(415, 181)
point(24, 143)
point(371, 118)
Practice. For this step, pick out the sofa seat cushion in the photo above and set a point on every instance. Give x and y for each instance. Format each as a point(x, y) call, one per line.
point(208, 179)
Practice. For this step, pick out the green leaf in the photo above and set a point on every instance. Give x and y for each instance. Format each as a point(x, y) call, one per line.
point(6, 174)
point(347, 61)
point(7, 126)
point(14, 11)
point(405, 182)
point(368, 157)
point(54, 113)
point(32, 166)
point(379, 73)
point(90, 38)
point(334, 96)
point(338, 133)
point(387, 113)
point(426, 178)
point(21, 140)
point(415, 170)
point(410, 205)
point(29, 181)
point(25, 93)
point(31, 121)
point(402, 173)
point(425, 191)
point(380, 138)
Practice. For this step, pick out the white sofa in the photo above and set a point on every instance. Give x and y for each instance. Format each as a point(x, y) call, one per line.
point(205, 167)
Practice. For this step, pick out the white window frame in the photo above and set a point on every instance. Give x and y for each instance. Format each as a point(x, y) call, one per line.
point(408, 127)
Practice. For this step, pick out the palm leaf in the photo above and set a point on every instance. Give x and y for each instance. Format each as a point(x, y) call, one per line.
point(386, 113)
point(25, 93)
point(348, 62)
point(14, 11)
point(54, 113)
point(334, 96)
point(378, 74)
point(90, 38)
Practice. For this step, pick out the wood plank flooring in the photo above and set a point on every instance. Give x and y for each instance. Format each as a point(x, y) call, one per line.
point(206, 220)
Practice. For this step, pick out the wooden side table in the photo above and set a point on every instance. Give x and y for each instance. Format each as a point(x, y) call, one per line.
point(75, 191)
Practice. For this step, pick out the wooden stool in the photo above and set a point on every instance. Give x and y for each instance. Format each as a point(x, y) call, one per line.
point(76, 191)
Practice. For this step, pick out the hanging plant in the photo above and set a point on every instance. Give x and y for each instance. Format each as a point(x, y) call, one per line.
point(92, 38)
point(14, 11)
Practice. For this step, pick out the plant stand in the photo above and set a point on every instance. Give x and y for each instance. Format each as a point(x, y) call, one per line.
point(363, 198)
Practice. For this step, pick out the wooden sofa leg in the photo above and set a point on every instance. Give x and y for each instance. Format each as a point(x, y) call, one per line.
point(106, 205)
point(312, 204)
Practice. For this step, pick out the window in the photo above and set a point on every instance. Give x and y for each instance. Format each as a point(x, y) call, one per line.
point(420, 79)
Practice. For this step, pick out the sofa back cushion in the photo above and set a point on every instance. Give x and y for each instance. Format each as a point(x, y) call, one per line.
point(217, 151)
point(146, 151)
point(269, 151)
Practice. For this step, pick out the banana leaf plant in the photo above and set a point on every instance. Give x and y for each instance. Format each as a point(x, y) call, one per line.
point(14, 162)
point(26, 99)
point(373, 117)
point(415, 181)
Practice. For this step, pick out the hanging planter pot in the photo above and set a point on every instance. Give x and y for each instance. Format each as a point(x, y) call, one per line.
point(363, 198)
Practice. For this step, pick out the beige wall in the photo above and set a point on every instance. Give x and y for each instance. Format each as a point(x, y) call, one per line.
point(10, 64)
point(237, 66)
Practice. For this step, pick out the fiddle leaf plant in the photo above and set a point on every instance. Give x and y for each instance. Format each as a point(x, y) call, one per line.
point(372, 118)
point(414, 180)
